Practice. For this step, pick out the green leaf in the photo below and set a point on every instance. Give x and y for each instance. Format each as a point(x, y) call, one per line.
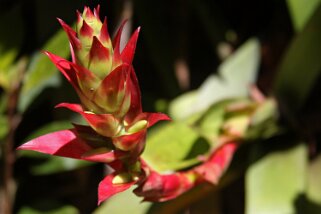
point(240, 69)
point(173, 146)
point(209, 125)
point(314, 180)
point(300, 67)
point(263, 123)
point(63, 210)
point(274, 182)
point(176, 146)
point(301, 11)
point(10, 42)
point(181, 107)
point(55, 164)
point(264, 112)
point(115, 205)
point(50, 127)
point(236, 74)
point(42, 72)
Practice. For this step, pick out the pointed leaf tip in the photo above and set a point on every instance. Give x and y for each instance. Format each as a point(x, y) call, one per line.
point(104, 124)
point(86, 30)
point(104, 35)
point(64, 67)
point(98, 52)
point(88, 13)
point(116, 40)
point(152, 118)
point(72, 35)
point(107, 189)
point(97, 11)
point(127, 54)
point(61, 143)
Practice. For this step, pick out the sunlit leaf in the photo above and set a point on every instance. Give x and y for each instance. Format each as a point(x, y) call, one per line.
point(265, 111)
point(173, 146)
point(236, 74)
point(210, 123)
point(240, 69)
point(274, 182)
point(115, 205)
point(314, 181)
point(41, 72)
point(263, 121)
point(182, 106)
point(301, 11)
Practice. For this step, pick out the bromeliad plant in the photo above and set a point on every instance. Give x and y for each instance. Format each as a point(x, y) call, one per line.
point(106, 84)
point(105, 81)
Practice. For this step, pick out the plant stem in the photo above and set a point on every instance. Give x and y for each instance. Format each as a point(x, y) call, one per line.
point(14, 118)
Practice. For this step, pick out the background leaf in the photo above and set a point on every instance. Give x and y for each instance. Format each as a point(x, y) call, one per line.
point(314, 180)
point(274, 182)
point(300, 67)
point(62, 210)
point(301, 11)
point(10, 42)
point(42, 72)
point(173, 146)
point(236, 74)
point(125, 202)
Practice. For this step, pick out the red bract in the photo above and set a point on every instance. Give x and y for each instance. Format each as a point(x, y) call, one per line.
point(162, 187)
point(107, 86)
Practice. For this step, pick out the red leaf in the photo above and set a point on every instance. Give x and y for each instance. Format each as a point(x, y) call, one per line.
point(129, 142)
point(110, 94)
point(64, 143)
point(152, 118)
point(104, 35)
point(74, 41)
point(116, 45)
point(104, 124)
point(106, 157)
point(65, 67)
point(107, 189)
point(97, 11)
point(88, 14)
point(214, 167)
point(127, 54)
point(86, 30)
point(98, 52)
point(159, 188)
point(83, 80)
point(135, 105)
